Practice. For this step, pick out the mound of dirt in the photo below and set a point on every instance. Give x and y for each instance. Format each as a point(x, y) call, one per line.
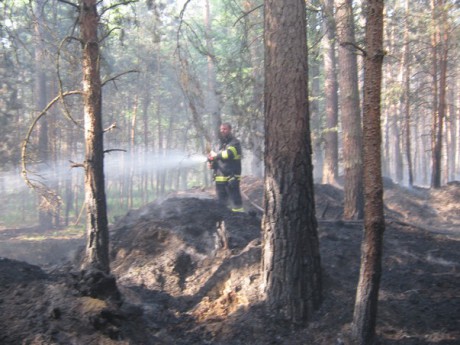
point(184, 247)
point(435, 210)
point(188, 272)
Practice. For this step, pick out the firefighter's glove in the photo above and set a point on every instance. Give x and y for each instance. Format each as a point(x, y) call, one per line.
point(233, 182)
point(211, 159)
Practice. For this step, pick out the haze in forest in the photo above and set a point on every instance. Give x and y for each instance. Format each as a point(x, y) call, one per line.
point(171, 70)
point(118, 166)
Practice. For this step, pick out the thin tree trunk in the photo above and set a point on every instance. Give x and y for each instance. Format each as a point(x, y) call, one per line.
point(443, 60)
point(211, 98)
point(147, 149)
point(331, 149)
point(386, 169)
point(436, 126)
point(396, 135)
point(256, 125)
point(365, 311)
point(133, 159)
point(314, 104)
point(405, 103)
point(453, 138)
point(350, 113)
point(45, 209)
point(97, 241)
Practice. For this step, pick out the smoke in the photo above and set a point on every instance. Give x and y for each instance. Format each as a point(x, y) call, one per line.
point(11, 182)
point(116, 165)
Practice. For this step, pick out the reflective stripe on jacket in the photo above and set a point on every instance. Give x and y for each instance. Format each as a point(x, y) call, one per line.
point(228, 160)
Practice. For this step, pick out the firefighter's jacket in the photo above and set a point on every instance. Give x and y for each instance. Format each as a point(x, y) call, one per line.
point(227, 163)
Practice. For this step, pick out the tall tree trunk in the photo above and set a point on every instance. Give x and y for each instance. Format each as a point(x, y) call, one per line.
point(147, 149)
point(438, 67)
point(331, 149)
point(457, 132)
point(453, 137)
point(315, 93)
point(291, 260)
point(97, 241)
point(350, 113)
point(396, 135)
point(211, 98)
point(386, 169)
point(256, 121)
point(442, 106)
point(133, 153)
point(405, 102)
point(365, 311)
point(45, 209)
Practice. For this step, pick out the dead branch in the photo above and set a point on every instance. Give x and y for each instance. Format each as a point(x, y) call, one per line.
point(69, 3)
point(119, 75)
point(251, 202)
point(111, 127)
point(114, 150)
point(188, 84)
point(66, 109)
point(179, 29)
point(76, 165)
point(245, 14)
point(25, 143)
point(353, 45)
point(108, 34)
point(127, 2)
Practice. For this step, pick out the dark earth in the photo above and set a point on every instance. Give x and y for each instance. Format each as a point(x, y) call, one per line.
point(188, 273)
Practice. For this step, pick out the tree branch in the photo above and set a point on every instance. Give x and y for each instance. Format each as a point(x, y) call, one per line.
point(127, 2)
point(108, 33)
point(353, 45)
point(181, 19)
point(119, 75)
point(69, 3)
point(247, 13)
point(114, 150)
point(76, 165)
point(61, 97)
point(50, 197)
point(111, 127)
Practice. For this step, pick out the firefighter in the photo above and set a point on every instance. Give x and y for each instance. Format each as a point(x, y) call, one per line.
point(226, 164)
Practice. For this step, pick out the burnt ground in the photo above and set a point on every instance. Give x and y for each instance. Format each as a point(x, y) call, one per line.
point(188, 273)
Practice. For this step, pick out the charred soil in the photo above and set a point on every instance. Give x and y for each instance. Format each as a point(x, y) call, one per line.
point(188, 272)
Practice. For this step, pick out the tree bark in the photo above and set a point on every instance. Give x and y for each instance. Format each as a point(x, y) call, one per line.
point(211, 97)
point(97, 241)
point(405, 102)
point(396, 143)
point(350, 113)
point(365, 311)
point(45, 209)
point(255, 141)
point(439, 76)
point(315, 92)
point(452, 135)
point(331, 149)
point(291, 260)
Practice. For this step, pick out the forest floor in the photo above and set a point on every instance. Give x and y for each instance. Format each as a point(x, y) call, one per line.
point(188, 273)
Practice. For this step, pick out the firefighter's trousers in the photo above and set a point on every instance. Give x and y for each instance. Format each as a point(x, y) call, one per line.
point(228, 193)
